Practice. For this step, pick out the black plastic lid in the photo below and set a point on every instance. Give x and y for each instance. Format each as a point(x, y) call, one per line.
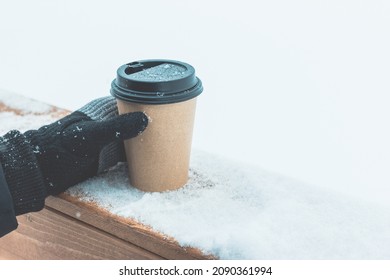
point(156, 82)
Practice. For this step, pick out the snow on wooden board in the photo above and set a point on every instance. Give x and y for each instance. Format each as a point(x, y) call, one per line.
point(238, 212)
point(235, 211)
point(23, 104)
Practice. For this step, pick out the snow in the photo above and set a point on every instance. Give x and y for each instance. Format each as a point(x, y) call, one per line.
point(10, 121)
point(236, 211)
point(25, 105)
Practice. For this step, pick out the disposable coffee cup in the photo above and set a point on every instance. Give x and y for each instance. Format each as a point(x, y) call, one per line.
point(166, 91)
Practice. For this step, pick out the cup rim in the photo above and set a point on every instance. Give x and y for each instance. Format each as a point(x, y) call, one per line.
point(125, 88)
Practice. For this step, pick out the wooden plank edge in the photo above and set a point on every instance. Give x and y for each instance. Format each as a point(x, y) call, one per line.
point(124, 228)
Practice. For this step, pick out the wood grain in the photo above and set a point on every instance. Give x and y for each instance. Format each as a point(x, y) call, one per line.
point(124, 228)
point(50, 235)
point(6, 255)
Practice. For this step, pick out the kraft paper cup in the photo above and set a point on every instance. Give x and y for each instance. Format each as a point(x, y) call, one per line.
point(166, 91)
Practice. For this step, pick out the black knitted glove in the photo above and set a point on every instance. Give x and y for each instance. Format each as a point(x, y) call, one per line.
point(53, 158)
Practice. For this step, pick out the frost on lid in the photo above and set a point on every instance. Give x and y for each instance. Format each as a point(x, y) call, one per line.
point(160, 73)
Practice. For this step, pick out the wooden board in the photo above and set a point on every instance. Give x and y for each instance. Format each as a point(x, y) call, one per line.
point(68, 228)
point(51, 235)
point(124, 228)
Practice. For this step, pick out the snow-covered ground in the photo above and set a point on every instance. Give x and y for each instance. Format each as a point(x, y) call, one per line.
point(234, 210)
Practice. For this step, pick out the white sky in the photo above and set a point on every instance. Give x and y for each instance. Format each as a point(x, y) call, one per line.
point(297, 87)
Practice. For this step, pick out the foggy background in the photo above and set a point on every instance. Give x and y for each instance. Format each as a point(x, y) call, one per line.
point(296, 87)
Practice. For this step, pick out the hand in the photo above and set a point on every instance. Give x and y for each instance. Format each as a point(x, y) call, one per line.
point(67, 151)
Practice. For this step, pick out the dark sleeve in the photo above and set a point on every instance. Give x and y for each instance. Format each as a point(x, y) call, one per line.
point(22, 188)
point(8, 221)
point(22, 173)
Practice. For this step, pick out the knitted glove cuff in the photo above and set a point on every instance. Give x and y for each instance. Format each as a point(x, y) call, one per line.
point(98, 110)
point(22, 173)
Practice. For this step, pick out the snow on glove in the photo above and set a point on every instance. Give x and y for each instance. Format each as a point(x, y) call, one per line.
point(53, 158)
